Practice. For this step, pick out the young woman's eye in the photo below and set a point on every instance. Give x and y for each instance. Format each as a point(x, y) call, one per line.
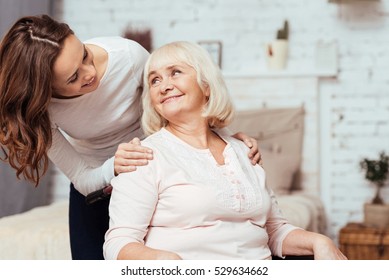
point(85, 54)
point(73, 80)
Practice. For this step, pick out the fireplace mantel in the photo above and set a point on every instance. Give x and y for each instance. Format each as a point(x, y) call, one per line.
point(288, 73)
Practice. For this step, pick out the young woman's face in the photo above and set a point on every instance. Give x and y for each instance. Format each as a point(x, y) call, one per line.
point(174, 91)
point(74, 71)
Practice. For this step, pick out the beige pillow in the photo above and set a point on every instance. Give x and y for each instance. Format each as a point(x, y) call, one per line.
point(279, 133)
point(280, 170)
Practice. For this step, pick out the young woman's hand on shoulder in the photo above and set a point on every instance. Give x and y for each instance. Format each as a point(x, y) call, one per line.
point(130, 155)
point(254, 154)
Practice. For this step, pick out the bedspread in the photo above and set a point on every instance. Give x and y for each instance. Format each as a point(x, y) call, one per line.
point(41, 233)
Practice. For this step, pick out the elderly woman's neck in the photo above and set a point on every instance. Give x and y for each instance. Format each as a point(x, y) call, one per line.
point(199, 136)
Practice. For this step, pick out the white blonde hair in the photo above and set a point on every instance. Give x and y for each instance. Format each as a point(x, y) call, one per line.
point(218, 110)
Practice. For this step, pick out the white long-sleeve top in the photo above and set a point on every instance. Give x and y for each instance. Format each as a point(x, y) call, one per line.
point(97, 122)
point(184, 202)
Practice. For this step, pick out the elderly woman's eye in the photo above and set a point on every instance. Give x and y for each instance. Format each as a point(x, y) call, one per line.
point(175, 72)
point(154, 81)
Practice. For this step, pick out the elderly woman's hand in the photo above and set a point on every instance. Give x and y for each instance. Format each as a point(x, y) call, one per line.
point(325, 249)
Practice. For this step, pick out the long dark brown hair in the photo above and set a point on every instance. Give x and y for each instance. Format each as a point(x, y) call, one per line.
point(27, 55)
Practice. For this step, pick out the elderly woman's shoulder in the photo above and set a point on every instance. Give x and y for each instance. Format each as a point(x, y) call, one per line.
point(153, 139)
point(236, 144)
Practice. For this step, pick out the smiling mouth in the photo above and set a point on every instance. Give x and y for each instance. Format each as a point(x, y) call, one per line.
point(90, 82)
point(170, 98)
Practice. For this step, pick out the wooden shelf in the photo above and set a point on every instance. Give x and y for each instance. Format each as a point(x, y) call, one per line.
point(284, 74)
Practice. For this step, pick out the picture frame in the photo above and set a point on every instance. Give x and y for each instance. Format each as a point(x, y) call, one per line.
point(214, 48)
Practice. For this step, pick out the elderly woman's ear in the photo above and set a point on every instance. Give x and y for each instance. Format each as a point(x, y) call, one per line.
point(207, 92)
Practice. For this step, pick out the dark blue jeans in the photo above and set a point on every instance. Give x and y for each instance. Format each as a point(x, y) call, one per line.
point(87, 226)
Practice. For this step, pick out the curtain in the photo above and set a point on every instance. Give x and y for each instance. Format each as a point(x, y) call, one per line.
point(18, 196)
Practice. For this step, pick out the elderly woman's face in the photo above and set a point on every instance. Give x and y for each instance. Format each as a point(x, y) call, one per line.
point(174, 91)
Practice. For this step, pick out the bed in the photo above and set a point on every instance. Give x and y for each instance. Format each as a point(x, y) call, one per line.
point(42, 233)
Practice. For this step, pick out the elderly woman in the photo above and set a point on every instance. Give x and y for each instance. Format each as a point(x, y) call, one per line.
point(200, 198)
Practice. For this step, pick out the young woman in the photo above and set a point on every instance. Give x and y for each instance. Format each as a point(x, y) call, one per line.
point(200, 197)
point(77, 104)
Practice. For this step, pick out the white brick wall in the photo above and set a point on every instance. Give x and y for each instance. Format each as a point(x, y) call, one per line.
point(354, 106)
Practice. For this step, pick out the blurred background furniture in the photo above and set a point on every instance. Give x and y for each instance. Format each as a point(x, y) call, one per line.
point(18, 195)
point(39, 234)
point(361, 242)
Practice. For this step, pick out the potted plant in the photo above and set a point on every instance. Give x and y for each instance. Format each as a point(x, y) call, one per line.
point(376, 213)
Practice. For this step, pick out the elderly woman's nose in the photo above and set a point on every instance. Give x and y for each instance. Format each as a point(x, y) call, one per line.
point(166, 86)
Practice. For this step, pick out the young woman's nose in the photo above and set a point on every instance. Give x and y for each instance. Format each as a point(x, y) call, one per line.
point(89, 72)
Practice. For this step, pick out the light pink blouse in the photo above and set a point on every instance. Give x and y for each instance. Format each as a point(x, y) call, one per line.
point(184, 202)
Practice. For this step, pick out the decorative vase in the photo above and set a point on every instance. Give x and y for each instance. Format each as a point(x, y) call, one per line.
point(376, 215)
point(277, 54)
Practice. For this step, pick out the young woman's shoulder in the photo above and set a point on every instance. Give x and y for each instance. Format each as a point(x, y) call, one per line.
point(122, 52)
point(112, 43)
